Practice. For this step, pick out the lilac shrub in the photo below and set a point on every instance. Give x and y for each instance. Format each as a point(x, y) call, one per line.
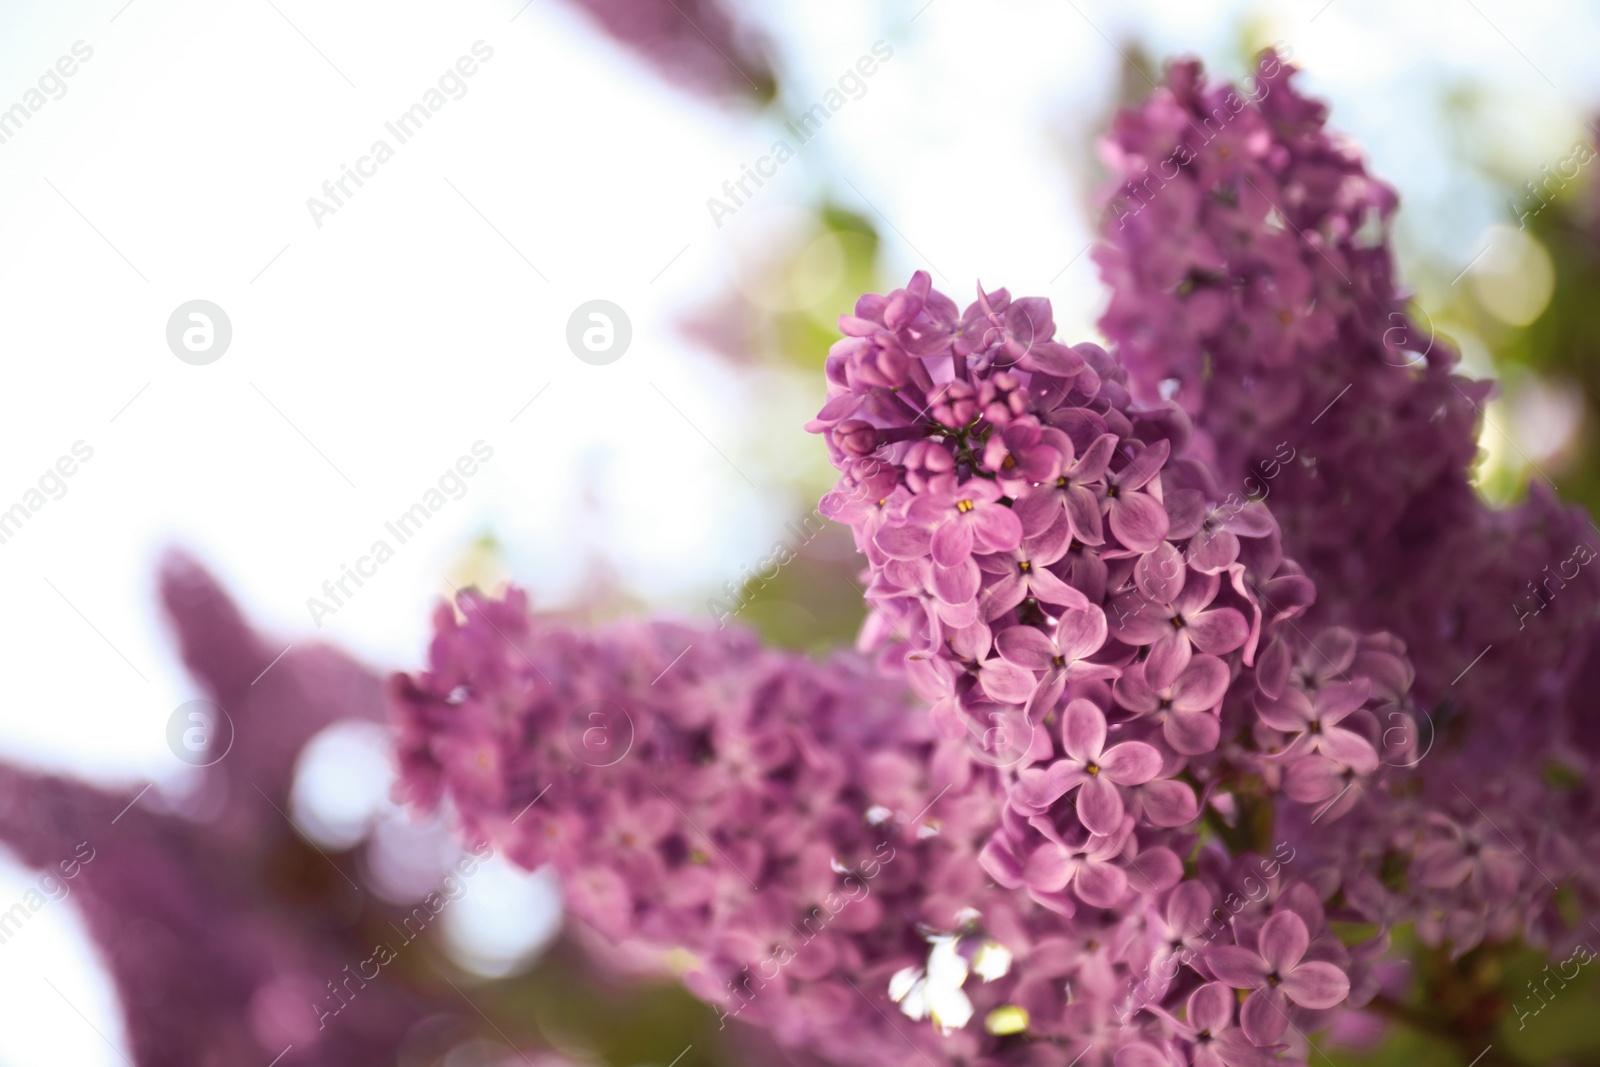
point(1131, 766)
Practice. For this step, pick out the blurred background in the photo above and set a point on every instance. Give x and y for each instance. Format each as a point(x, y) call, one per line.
point(434, 306)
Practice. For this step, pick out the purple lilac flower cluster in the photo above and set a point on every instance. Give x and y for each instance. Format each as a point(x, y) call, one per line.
point(813, 852)
point(1255, 284)
point(779, 833)
point(1151, 759)
point(1071, 592)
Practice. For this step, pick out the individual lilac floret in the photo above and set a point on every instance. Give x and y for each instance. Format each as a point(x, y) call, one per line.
point(1278, 973)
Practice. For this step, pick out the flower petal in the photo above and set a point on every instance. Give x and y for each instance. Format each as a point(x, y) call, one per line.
point(1138, 520)
point(1288, 714)
point(1210, 1006)
point(1336, 700)
point(1316, 985)
point(952, 542)
point(1038, 512)
point(1140, 1054)
point(1083, 511)
point(1006, 593)
point(958, 584)
point(1132, 693)
point(1237, 967)
point(1213, 551)
point(1091, 466)
point(1101, 885)
point(1313, 779)
point(1026, 647)
point(1264, 1017)
point(1159, 573)
point(1100, 805)
point(1219, 630)
point(1083, 730)
point(1130, 763)
point(1081, 632)
point(1282, 941)
point(1001, 864)
point(1201, 685)
point(1168, 658)
point(996, 528)
point(1168, 803)
point(1350, 749)
point(910, 541)
point(1039, 787)
point(1048, 589)
point(1006, 682)
point(1191, 733)
point(1050, 868)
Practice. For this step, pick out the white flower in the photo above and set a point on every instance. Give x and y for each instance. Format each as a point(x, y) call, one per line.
point(935, 993)
point(991, 961)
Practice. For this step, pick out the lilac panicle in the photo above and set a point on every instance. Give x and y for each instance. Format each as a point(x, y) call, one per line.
point(1248, 254)
point(1056, 569)
point(778, 832)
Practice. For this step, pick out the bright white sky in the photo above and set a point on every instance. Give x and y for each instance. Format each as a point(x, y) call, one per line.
point(369, 354)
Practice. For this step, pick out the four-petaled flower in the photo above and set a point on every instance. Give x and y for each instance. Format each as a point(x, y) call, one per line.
point(1025, 571)
point(1177, 630)
point(1136, 516)
point(1277, 971)
point(1089, 767)
point(1184, 708)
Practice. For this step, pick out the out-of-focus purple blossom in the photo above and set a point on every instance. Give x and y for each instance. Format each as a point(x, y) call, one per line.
point(701, 44)
point(229, 937)
point(1253, 281)
point(778, 832)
